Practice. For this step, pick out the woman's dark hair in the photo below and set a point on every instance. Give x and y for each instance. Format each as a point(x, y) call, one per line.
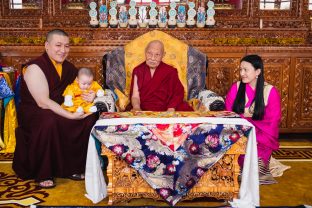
point(239, 103)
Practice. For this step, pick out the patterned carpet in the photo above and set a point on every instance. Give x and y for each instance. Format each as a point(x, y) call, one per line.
point(15, 192)
point(18, 192)
point(6, 157)
point(293, 153)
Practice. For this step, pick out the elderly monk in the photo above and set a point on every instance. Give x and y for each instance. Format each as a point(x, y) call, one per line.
point(155, 86)
point(50, 141)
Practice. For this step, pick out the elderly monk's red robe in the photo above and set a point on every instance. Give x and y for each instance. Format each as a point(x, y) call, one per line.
point(162, 91)
point(48, 145)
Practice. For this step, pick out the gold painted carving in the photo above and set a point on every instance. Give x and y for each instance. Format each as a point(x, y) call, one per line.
point(220, 181)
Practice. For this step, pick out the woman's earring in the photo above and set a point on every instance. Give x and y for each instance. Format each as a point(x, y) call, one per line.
point(257, 77)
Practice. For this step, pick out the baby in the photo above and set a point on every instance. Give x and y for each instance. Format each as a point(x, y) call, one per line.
point(83, 83)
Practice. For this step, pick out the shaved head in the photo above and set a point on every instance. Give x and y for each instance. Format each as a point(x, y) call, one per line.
point(55, 32)
point(154, 53)
point(156, 43)
point(57, 45)
point(85, 71)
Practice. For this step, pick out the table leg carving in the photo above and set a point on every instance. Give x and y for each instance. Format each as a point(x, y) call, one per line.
point(220, 181)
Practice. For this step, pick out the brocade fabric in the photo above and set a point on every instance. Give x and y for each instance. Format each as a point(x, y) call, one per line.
point(171, 157)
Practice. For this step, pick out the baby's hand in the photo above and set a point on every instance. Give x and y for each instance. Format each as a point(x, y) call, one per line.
point(88, 96)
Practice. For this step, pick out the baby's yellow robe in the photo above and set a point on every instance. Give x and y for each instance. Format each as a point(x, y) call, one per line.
point(74, 90)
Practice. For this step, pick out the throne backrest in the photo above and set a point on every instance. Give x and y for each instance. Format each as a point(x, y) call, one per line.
point(190, 63)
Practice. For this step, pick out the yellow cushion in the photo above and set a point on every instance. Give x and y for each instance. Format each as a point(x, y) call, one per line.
point(176, 56)
point(122, 101)
point(195, 104)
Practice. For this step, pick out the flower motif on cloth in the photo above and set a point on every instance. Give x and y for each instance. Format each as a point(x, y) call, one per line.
point(118, 149)
point(199, 171)
point(234, 136)
point(171, 169)
point(129, 159)
point(194, 149)
point(212, 140)
point(165, 193)
point(152, 161)
point(172, 135)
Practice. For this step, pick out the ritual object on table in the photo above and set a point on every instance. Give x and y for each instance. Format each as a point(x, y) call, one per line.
point(181, 16)
point(123, 17)
point(162, 17)
point(172, 22)
point(191, 13)
point(152, 23)
point(210, 22)
point(113, 22)
point(201, 17)
point(103, 16)
point(142, 16)
point(133, 12)
point(93, 15)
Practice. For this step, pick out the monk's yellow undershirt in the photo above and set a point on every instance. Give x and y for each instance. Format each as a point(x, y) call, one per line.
point(57, 66)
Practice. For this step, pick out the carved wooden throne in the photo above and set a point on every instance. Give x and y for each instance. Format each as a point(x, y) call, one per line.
point(125, 183)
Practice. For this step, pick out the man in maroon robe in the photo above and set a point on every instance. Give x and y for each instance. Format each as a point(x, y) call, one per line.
point(50, 141)
point(155, 86)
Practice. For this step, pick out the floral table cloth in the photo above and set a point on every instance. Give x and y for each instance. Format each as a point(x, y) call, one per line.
point(170, 150)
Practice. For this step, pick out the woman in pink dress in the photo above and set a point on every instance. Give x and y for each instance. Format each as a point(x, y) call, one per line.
point(258, 102)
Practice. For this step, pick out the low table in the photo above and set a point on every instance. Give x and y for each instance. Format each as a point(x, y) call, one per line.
point(174, 156)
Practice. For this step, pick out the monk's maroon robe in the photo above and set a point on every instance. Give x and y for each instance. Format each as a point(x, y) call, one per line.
point(48, 145)
point(162, 91)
